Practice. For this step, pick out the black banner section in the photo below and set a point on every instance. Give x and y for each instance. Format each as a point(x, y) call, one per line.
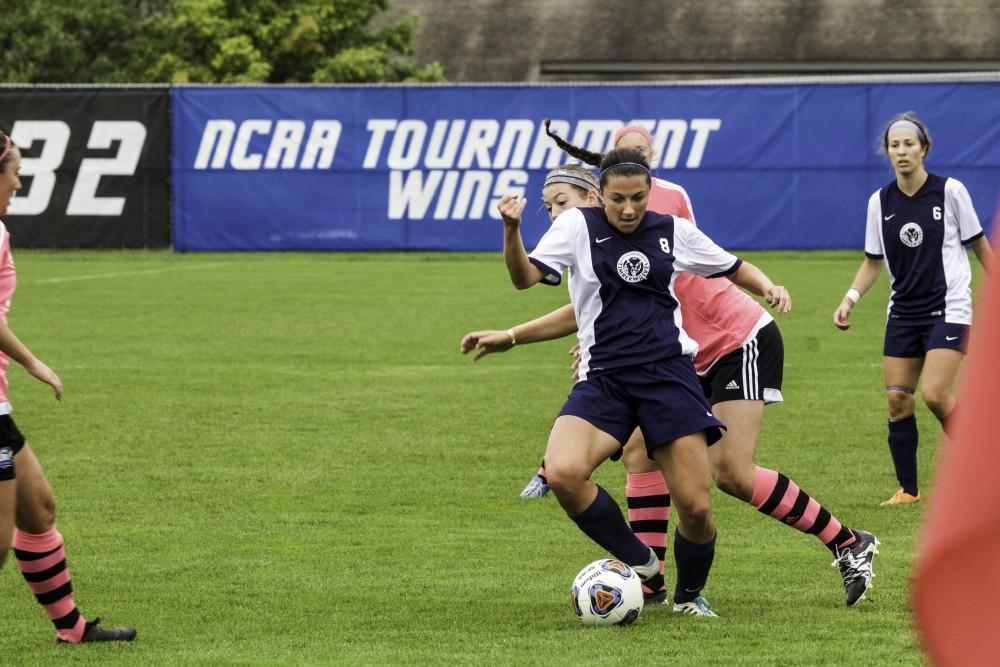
point(95, 168)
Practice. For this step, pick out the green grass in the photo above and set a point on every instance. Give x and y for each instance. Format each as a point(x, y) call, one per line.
point(283, 459)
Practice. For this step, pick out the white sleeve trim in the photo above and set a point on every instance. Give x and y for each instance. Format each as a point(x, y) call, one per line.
point(696, 253)
point(958, 201)
point(873, 227)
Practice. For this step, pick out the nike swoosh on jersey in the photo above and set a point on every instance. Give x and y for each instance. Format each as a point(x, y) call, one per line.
point(890, 217)
point(951, 337)
point(602, 240)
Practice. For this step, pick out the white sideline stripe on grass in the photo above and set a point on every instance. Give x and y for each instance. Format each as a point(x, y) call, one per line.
point(120, 274)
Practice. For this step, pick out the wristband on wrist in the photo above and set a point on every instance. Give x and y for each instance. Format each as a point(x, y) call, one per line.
point(853, 295)
point(513, 339)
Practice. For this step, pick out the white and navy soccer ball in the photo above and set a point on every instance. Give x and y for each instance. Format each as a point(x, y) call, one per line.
point(607, 592)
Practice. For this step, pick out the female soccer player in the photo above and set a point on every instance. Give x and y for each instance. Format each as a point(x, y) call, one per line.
point(918, 226)
point(634, 367)
point(740, 360)
point(25, 493)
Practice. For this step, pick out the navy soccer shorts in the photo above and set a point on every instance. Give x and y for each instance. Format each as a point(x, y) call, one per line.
point(664, 399)
point(915, 338)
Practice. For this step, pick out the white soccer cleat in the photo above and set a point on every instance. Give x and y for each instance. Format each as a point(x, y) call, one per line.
point(536, 488)
point(696, 607)
point(650, 569)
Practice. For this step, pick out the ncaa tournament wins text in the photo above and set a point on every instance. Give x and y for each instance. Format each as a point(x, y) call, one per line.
point(460, 167)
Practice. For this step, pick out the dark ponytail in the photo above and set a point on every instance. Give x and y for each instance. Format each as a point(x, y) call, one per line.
point(581, 154)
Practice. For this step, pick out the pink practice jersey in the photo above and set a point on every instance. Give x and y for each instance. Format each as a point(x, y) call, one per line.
point(716, 314)
point(8, 282)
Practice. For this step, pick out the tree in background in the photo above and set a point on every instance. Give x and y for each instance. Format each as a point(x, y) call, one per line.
point(206, 41)
point(95, 41)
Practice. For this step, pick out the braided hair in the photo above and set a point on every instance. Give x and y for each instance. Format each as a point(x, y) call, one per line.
point(581, 154)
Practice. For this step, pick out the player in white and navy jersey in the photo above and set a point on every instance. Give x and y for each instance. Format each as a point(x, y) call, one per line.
point(740, 363)
point(635, 365)
point(25, 494)
point(918, 227)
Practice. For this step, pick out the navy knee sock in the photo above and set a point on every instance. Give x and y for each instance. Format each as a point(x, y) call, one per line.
point(903, 438)
point(693, 564)
point(603, 522)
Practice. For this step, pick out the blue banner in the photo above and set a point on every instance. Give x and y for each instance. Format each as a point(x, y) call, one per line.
point(775, 166)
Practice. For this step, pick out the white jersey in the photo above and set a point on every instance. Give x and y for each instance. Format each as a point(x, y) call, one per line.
point(622, 285)
point(921, 239)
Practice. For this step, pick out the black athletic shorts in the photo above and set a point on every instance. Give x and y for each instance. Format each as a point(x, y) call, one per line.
point(750, 373)
point(11, 442)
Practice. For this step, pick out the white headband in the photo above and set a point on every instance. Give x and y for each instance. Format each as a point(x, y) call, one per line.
point(580, 179)
point(906, 124)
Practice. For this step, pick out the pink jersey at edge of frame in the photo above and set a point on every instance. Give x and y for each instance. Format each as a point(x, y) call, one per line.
point(717, 315)
point(8, 283)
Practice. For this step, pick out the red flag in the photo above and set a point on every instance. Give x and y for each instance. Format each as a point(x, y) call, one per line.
point(956, 592)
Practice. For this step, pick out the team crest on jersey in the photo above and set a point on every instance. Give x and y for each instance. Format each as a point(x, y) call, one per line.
point(633, 267)
point(911, 235)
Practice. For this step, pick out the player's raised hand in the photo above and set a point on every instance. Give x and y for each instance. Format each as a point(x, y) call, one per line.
point(841, 316)
point(778, 297)
point(511, 207)
point(485, 342)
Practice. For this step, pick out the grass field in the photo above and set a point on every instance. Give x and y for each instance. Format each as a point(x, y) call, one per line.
point(283, 459)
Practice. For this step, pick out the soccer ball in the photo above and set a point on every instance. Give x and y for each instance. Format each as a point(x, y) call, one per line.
point(607, 592)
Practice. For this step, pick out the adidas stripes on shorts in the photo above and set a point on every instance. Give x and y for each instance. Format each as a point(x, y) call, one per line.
point(11, 442)
point(750, 373)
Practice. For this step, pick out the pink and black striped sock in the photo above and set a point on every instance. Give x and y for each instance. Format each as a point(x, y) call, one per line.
point(42, 561)
point(541, 473)
point(781, 498)
point(648, 502)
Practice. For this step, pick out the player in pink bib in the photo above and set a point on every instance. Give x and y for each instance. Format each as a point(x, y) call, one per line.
point(27, 505)
point(740, 359)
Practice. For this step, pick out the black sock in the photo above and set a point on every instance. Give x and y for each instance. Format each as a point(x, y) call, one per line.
point(903, 438)
point(603, 522)
point(693, 563)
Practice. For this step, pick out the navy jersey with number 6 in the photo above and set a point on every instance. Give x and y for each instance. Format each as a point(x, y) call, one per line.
point(921, 239)
point(622, 285)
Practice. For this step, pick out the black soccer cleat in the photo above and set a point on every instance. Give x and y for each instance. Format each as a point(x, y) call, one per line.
point(93, 633)
point(855, 563)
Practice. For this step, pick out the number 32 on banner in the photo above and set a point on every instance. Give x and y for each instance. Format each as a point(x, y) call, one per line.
point(55, 137)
